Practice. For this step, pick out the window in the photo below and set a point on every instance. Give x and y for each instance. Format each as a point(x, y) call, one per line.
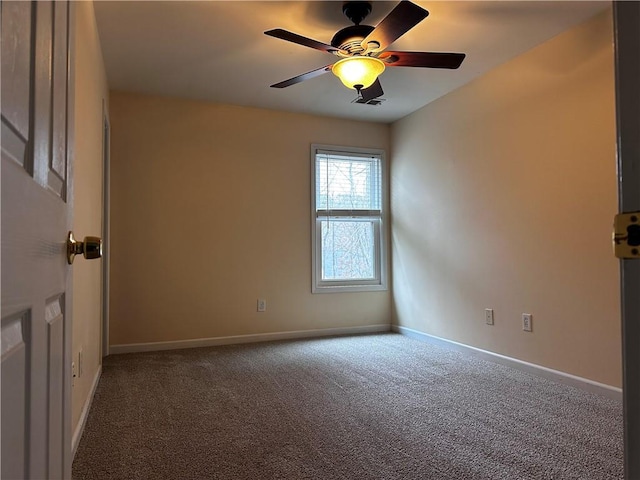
point(348, 209)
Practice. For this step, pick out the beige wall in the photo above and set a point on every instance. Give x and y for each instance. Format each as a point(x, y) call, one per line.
point(503, 194)
point(91, 90)
point(211, 211)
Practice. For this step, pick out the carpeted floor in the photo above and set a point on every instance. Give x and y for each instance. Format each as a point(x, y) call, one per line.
point(367, 407)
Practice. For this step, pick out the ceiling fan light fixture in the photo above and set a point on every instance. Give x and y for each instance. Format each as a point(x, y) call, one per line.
point(358, 70)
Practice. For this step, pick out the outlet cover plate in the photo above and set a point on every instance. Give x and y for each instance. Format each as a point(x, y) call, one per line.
point(262, 305)
point(488, 316)
point(527, 322)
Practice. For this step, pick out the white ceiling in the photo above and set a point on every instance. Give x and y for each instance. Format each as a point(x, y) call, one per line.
point(216, 50)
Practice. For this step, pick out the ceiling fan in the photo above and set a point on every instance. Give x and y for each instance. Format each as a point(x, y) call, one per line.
point(362, 49)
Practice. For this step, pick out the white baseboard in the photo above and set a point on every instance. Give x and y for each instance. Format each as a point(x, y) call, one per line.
point(548, 373)
point(252, 338)
point(77, 433)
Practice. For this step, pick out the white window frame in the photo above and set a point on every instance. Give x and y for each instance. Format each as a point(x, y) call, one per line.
point(379, 283)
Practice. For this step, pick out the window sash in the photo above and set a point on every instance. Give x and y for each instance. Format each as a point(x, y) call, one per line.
point(330, 179)
point(348, 283)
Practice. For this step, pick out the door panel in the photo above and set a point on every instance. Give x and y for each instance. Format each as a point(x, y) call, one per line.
point(58, 166)
point(15, 354)
point(55, 355)
point(35, 220)
point(55, 362)
point(42, 76)
point(16, 31)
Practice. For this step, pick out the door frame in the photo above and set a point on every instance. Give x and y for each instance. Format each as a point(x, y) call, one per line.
point(626, 17)
point(627, 46)
point(106, 225)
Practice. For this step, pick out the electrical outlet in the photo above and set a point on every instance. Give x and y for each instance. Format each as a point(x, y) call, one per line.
point(488, 316)
point(527, 322)
point(262, 305)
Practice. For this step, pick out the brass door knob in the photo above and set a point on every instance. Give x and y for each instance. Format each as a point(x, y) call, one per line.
point(90, 248)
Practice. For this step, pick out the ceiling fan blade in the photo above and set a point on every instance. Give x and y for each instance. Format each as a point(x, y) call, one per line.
point(400, 20)
point(301, 78)
point(373, 91)
point(300, 40)
point(422, 59)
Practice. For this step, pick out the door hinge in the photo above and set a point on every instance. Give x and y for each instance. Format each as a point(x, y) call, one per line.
point(626, 235)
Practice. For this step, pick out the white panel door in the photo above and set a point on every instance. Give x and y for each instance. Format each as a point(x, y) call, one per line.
point(36, 191)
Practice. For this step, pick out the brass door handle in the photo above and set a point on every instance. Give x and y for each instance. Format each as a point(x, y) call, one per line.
point(90, 248)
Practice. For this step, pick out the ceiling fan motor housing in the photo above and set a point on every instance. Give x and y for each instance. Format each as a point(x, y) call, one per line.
point(350, 38)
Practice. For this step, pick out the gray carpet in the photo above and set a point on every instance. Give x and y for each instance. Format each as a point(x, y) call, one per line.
point(367, 407)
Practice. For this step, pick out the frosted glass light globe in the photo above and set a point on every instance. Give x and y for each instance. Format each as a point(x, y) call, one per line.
point(358, 70)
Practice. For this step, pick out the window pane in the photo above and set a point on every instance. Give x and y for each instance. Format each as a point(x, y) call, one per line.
point(348, 250)
point(347, 183)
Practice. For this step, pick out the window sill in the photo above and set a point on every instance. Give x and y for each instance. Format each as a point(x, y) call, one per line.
point(348, 288)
